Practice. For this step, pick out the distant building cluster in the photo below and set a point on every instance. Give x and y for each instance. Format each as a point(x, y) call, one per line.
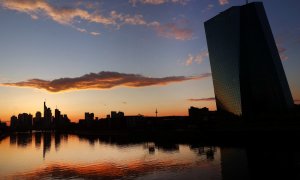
point(3, 126)
point(26, 121)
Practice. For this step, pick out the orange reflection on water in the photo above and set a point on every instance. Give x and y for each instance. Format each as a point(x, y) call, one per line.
point(46, 155)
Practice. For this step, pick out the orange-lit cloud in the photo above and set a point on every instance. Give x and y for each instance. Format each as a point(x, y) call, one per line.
point(70, 16)
point(203, 99)
point(223, 2)
point(199, 58)
point(157, 2)
point(171, 30)
point(102, 80)
point(64, 16)
point(137, 19)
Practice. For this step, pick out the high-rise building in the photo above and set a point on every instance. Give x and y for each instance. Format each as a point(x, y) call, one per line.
point(57, 118)
point(246, 68)
point(47, 117)
point(37, 120)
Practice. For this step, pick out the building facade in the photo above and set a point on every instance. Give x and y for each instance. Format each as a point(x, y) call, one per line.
point(246, 68)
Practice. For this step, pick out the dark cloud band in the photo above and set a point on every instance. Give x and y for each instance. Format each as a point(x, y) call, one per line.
point(203, 99)
point(102, 80)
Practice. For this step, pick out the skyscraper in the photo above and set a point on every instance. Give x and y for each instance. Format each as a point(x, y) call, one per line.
point(47, 117)
point(246, 68)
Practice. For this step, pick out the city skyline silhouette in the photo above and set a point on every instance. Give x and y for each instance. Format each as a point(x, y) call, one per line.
point(149, 89)
point(122, 58)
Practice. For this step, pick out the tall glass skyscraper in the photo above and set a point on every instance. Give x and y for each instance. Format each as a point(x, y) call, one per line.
point(246, 68)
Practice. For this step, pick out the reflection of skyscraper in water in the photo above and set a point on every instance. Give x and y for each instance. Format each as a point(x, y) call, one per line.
point(57, 139)
point(277, 162)
point(23, 139)
point(247, 72)
point(13, 139)
point(234, 164)
point(208, 151)
point(47, 143)
point(260, 162)
point(37, 137)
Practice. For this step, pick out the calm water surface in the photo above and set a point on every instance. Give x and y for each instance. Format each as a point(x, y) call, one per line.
point(55, 156)
point(58, 156)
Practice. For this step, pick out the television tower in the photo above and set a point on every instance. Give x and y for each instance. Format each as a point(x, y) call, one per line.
point(156, 112)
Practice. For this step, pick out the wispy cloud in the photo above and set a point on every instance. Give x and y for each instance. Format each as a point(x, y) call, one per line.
point(73, 15)
point(61, 15)
point(81, 30)
point(137, 19)
point(199, 58)
point(207, 8)
point(202, 99)
point(173, 31)
point(157, 2)
point(282, 54)
point(102, 80)
point(281, 51)
point(223, 2)
point(95, 33)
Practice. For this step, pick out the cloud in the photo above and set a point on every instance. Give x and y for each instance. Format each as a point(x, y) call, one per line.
point(81, 30)
point(95, 33)
point(71, 16)
point(65, 16)
point(102, 80)
point(202, 99)
point(208, 8)
point(157, 2)
point(281, 51)
point(223, 2)
point(197, 58)
point(172, 31)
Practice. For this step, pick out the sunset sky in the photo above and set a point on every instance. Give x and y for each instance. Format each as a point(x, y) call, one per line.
point(124, 55)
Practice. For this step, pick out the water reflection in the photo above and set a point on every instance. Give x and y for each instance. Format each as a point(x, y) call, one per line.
point(62, 156)
point(208, 151)
point(13, 139)
point(282, 162)
point(37, 138)
point(57, 139)
point(51, 155)
point(47, 143)
point(24, 139)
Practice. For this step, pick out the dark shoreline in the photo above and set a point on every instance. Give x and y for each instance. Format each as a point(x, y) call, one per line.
point(219, 137)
